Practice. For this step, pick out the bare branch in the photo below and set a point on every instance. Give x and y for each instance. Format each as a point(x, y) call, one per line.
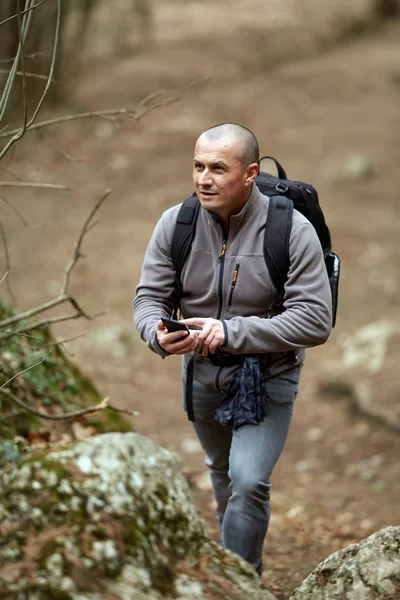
point(46, 322)
point(29, 184)
point(24, 95)
point(32, 55)
point(21, 13)
point(26, 23)
point(25, 370)
point(11, 414)
point(11, 333)
point(21, 131)
point(19, 215)
point(65, 340)
point(86, 115)
point(43, 135)
point(5, 275)
point(167, 102)
point(27, 74)
point(52, 64)
point(34, 311)
point(125, 411)
point(135, 114)
point(77, 250)
point(8, 265)
point(77, 413)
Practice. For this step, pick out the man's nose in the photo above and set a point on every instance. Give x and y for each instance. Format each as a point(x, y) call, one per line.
point(205, 178)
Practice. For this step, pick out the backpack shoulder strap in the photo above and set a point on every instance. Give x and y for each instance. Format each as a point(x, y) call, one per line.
point(183, 236)
point(276, 240)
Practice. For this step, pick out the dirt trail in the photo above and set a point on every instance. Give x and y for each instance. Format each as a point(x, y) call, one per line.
point(337, 480)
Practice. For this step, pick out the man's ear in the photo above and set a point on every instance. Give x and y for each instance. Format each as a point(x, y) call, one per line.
point(252, 172)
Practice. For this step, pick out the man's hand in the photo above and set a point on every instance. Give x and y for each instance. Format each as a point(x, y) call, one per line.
point(177, 342)
point(211, 336)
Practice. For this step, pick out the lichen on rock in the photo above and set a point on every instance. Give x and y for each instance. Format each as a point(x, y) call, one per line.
point(367, 570)
point(110, 517)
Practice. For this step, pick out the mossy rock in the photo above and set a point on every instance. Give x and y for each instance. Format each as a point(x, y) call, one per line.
point(111, 517)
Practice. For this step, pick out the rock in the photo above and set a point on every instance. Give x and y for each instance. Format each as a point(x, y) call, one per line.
point(115, 340)
point(358, 167)
point(368, 570)
point(190, 446)
point(110, 517)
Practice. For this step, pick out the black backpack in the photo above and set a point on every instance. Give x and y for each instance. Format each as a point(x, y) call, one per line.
point(284, 194)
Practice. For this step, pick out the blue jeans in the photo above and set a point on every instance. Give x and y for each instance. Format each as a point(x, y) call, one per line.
point(241, 462)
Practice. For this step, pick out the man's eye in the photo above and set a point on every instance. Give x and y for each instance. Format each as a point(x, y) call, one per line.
point(220, 169)
point(198, 167)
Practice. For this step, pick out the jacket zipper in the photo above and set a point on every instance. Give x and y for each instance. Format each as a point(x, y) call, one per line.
point(233, 284)
point(221, 260)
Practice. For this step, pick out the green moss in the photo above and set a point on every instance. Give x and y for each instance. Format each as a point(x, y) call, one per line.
point(48, 464)
point(56, 381)
point(163, 579)
point(161, 492)
point(110, 420)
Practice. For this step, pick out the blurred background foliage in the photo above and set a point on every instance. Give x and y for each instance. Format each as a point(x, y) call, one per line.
point(94, 27)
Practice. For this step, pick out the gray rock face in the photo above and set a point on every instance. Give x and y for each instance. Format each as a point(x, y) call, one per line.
point(110, 518)
point(368, 570)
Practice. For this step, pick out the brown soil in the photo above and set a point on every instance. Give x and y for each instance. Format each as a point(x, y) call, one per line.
point(338, 479)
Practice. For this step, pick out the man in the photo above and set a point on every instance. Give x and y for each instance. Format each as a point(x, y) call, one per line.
point(228, 292)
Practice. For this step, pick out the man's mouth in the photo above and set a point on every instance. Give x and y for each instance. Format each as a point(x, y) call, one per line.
point(207, 193)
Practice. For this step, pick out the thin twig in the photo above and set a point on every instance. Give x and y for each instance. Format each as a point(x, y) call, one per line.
point(29, 184)
point(85, 115)
point(77, 249)
point(127, 112)
point(125, 411)
point(27, 74)
point(65, 340)
point(42, 308)
point(11, 413)
point(26, 23)
point(32, 312)
point(63, 295)
point(47, 322)
point(43, 135)
point(33, 337)
point(5, 275)
point(32, 55)
point(24, 11)
point(21, 132)
point(24, 95)
point(25, 370)
point(139, 116)
point(16, 211)
point(8, 265)
point(77, 413)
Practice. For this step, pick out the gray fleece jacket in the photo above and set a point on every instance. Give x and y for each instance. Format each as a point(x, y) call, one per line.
point(207, 277)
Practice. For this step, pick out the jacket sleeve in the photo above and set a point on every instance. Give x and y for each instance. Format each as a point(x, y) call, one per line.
point(154, 296)
point(307, 317)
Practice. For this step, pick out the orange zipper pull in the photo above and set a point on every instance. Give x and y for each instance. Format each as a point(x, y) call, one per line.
point(223, 250)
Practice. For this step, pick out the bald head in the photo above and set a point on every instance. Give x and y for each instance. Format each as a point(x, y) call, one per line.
point(243, 138)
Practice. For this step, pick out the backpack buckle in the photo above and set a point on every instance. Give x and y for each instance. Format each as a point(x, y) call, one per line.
point(281, 187)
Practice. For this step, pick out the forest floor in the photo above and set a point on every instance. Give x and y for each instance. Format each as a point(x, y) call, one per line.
point(338, 478)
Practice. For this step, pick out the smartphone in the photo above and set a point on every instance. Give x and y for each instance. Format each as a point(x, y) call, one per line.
point(173, 325)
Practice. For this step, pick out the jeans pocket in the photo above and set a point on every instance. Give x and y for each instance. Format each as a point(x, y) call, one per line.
point(283, 389)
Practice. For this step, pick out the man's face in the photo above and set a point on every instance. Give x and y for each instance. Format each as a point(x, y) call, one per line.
point(221, 180)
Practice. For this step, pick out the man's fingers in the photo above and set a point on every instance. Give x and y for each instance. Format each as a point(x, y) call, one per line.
point(194, 321)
